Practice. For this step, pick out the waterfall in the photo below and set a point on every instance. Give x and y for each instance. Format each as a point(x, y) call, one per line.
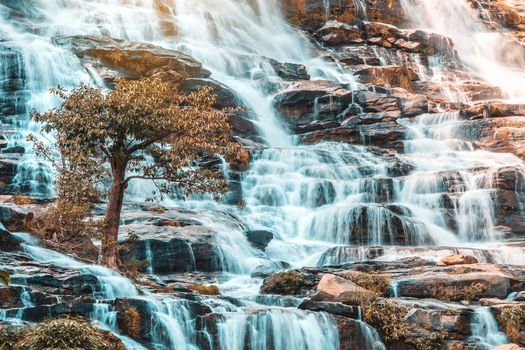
point(326, 204)
point(273, 329)
point(489, 54)
point(485, 329)
point(111, 283)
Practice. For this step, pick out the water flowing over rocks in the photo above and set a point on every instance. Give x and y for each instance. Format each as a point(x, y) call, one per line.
point(384, 203)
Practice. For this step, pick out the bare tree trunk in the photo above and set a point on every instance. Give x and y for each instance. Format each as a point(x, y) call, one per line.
point(110, 254)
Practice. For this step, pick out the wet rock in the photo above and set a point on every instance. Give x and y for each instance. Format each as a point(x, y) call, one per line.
point(390, 76)
point(476, 282)
point(14, 217)
point(502, 134)
point(289, 71)
point(334, 308)
point(352, 334)
point(312, 14)
point(133, 60)
point(308, 101)
point(335, 33)
point(225, 97)
point(259, 238)
point(495, 109)
point(7, 173)
point(8, 242)
point(164, 251)
point(457, 259)
point(338, 289)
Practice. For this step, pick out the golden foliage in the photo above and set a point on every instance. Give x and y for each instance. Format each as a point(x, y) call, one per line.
point(376, 283)
point(131, 322)
point(143, 129)
point(511, 320)
point(5, 277)
point(66, 333)
point(469, 292)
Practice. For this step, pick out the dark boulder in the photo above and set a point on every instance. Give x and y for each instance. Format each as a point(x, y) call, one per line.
point(259, 238)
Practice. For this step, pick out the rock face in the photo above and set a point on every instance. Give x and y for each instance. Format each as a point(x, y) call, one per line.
point(259, 239)
point(168, 242)
point(457, 259)
point(134, 60)
point(335, 288)
point(311, 14)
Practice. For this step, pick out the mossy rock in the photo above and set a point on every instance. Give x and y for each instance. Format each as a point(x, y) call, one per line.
point(287, 283)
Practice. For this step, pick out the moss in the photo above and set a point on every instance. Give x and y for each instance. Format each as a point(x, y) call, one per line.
point(472, 292)
point(511, 319)
point(205, 289)
point(286, 283)
point(66, 333)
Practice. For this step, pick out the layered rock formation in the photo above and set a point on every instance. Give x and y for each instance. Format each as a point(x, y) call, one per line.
point(406, 164)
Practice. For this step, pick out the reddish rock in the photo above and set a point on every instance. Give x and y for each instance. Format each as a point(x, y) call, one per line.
point(390, 76)
point(457, 259)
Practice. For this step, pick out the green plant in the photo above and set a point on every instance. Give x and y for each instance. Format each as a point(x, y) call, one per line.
point(286, 283)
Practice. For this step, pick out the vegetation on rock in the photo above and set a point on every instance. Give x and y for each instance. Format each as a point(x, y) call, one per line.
point(469, 293)
point(511, 319)
point(379, 284)
point(60, 334)
point(131, 322)
point(389, 317)
point(142, 130)
point(286, 283)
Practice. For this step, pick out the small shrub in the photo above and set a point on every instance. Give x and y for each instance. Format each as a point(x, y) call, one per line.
point(205, 290)
point(286, 283)
point(389, 317)
point(131, 324)
point(431, 341)
point(67, 333)
point(379, 284)
point(469, 293)
point(511, 319)
point(8, 337)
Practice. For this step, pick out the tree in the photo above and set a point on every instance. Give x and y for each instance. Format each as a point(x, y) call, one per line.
point(143, 129)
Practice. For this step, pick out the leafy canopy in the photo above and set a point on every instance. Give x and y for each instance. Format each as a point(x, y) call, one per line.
point(145, 128)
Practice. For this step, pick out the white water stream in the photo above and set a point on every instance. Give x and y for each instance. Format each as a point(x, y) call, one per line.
point(313, 198)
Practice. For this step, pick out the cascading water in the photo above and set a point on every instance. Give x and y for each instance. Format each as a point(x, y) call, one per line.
point(491, 55)
point(485, 329)
point(325, 204)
